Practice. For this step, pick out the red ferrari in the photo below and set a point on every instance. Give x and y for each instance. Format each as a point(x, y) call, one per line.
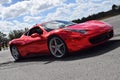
point(59, 38)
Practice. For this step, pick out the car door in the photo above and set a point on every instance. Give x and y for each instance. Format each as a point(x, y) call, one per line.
point(34, 41)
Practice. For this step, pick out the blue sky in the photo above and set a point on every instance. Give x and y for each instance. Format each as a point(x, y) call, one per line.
point(18, 14)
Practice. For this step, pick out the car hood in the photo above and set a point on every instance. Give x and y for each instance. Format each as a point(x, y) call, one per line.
point(89, 25)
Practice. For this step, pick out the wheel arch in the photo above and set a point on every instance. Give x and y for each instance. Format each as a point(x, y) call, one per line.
point(54, 35)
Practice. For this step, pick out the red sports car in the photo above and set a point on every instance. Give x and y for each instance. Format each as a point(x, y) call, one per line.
point(59, 38)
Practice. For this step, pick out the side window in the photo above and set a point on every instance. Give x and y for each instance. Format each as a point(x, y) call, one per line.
point(47, 27)
point(33, 30)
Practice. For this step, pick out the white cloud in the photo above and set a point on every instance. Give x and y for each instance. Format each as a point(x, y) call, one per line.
point(30, 19)
point(32, 7)
point(38, 6)
point(5, 1)
point(21, 25)
point(15, 10)
point(63, 13)
point(7, 26)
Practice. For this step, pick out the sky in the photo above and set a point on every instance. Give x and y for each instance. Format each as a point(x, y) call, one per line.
point(18, 14)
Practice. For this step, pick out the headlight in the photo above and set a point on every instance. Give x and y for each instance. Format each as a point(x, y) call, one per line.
point(79, 31)
point(82, 31)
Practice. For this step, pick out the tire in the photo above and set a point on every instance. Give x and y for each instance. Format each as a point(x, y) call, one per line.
point(15, 53)
point(57, 47)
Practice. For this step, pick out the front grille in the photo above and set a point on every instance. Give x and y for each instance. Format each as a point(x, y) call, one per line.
point(101, 37)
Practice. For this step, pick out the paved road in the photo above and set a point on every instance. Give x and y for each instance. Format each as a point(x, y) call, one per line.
point(99, 63)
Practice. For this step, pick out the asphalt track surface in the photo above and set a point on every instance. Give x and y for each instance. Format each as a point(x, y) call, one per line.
point(98, 63)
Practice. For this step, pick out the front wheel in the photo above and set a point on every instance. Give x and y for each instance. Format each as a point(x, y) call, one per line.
point(15, 53)
point(57, 47)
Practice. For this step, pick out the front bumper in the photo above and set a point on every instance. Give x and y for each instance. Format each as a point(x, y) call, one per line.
point(101, 37)
point(75, 44)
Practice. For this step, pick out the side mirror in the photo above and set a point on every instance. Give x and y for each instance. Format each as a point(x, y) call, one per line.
point(61, 26)
point(39, 31)
point(35, 35)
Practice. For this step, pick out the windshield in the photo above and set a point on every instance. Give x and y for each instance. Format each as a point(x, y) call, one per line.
point(56, 24)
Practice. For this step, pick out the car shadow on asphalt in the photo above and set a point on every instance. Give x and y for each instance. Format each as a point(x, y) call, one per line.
point(92, 52)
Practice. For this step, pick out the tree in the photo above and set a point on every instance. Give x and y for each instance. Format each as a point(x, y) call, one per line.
point(16, 33)
point(2, 36)
point(2, 39)
point(115, 7)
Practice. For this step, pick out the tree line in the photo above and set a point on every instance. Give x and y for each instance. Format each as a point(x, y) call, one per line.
point(115, 10)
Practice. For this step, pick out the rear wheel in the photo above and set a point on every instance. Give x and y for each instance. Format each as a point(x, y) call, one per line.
point(15, 53)
point(57, 47)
